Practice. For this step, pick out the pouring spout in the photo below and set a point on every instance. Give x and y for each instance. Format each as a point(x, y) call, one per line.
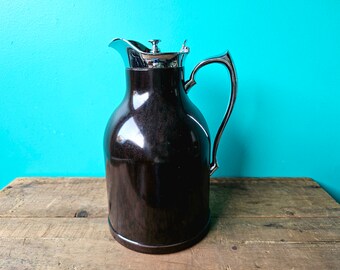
point(121, 43)
point(129, 50)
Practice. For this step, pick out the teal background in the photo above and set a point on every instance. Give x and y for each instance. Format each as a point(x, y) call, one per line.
point(59, 82)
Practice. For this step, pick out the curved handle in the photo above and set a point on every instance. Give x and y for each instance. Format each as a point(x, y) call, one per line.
point(225, 60)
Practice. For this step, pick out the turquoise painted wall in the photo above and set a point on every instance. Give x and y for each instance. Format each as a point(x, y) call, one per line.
point(59, 82)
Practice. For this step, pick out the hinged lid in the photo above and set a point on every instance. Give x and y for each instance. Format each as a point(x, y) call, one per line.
point(136, 55)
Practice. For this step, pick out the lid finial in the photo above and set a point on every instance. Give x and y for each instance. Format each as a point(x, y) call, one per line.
point(154, 43)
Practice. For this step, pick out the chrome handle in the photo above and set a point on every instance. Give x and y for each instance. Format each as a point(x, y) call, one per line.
point(227, 61)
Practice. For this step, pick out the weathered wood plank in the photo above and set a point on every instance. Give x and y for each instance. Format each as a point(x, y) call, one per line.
point(224, 230)
point(54, 197)
point(270, 223)
point(63, 197)
point(271, 197)
point(85, 254)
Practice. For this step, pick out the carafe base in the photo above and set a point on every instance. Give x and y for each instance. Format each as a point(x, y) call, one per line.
point(159, 249)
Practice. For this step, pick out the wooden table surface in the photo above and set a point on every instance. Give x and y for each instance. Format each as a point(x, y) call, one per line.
point(257, 223)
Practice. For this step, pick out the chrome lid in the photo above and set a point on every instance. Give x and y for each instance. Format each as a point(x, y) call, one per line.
point(136, 55)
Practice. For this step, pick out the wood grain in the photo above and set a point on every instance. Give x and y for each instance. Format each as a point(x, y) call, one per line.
point(53, 197)
point(84, 254)
point(243, 230)
point(238, 197)
point(257, 223)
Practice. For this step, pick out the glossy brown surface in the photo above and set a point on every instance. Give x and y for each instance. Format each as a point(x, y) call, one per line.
point(157, 164)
